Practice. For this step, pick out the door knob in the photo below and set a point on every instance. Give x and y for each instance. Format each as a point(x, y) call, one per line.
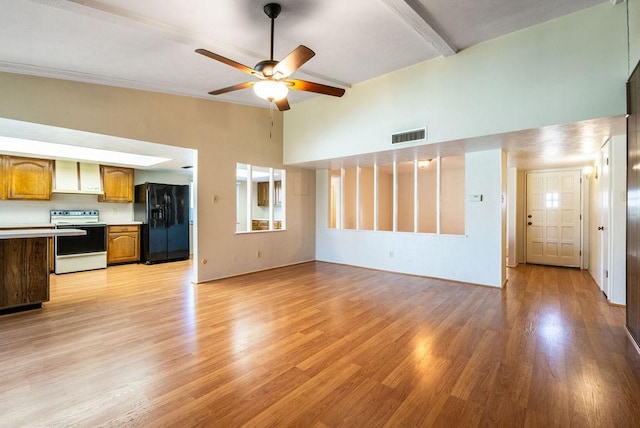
point(529, 223)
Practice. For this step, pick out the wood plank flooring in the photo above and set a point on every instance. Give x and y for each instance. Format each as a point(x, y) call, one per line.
point(318, 345)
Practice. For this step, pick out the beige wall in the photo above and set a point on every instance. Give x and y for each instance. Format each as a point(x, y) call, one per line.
point(452, 196)
point(349, 200)
point(405, 199)
point(366, 198)
point(385, 197)
point(222, 133)
point(428, 199)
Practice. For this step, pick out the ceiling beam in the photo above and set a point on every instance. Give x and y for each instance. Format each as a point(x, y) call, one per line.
point(418, 18)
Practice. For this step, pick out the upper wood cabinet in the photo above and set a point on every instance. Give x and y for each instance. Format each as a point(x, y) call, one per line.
point(263, 193)
point(25, 178)
point(117, 184)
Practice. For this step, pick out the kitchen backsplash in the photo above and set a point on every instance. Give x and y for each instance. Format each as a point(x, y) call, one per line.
point(37, 212)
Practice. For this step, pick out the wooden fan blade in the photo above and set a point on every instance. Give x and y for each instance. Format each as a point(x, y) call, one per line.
point(232, 88)
point(228, 61)
point(283, 104)
point(303, 85)
point(292, 62)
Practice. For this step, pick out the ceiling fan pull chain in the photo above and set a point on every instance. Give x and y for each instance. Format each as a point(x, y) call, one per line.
point(271, 117)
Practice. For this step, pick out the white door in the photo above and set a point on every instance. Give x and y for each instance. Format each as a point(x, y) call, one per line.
point(603, 227)
point(553, 218)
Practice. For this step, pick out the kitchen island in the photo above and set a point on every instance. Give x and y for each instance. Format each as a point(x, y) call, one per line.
point(24, 267)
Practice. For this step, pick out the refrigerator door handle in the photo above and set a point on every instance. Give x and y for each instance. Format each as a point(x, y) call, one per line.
point(167, 207)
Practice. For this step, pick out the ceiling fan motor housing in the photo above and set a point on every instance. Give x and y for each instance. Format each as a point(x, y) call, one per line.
point(272, 10)
point(266, 67)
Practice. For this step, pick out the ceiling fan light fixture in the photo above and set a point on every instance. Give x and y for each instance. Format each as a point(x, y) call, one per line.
point(271, 90)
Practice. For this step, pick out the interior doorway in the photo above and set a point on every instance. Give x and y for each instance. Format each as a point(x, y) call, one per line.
point(554, 212)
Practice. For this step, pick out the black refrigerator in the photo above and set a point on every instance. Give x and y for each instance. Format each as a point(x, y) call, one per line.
point(163, 210)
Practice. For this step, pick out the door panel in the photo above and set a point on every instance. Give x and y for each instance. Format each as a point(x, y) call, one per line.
point(553, 218)
point(633, 206)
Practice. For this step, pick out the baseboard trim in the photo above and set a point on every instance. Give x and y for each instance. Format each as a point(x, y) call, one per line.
point(458, 281)
point(253, 271)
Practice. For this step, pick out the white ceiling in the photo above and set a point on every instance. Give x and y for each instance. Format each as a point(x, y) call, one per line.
point(149, 44)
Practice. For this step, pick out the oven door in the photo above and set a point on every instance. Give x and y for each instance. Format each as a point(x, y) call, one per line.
point(95, 241)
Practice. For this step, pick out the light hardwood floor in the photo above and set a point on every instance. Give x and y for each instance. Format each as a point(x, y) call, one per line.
point(318, 344)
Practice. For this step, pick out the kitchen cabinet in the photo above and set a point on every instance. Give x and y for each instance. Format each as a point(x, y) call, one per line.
point(117, 183)
point(264, 224)
point(123, 244)
point(263, 193)
point(24, 272)
point(51, 241)
point(25, 178)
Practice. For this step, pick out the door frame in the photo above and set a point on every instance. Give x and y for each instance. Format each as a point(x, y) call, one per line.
point(583, 218)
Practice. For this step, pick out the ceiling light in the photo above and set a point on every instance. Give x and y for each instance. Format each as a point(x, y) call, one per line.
point(424, 163)
point(42, 149)
point(270, 90)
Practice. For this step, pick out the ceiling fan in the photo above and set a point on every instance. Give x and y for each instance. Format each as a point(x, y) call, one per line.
point(274, 82)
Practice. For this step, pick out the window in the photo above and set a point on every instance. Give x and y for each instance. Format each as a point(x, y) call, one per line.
point(423, 196)
point(260, 198)
point(350, 197)
point(385, 197)
point(406, 196)
point(427, 196)
point(366, 196)
point(452, 195)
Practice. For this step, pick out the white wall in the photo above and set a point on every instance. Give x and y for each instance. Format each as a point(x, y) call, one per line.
point(512, 180)
point(595, 214)
point(566, 70)
point(37, 212)
point(163, 177)
point(618, 222)
point(474, 257)
point(634, 32)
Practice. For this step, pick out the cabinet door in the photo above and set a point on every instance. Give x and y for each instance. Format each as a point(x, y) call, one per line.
point(263, 194)
point(117, 184)
point(24, 272)
point(28, 178)
point(123, 247)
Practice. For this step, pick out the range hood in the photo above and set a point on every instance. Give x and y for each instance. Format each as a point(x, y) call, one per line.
point(77, 177)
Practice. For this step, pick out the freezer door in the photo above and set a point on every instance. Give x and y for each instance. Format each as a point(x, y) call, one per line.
point(178, 222)
point(156, 241)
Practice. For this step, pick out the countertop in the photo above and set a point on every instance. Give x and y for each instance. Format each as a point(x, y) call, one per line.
point(39, 233)
point(26, 225)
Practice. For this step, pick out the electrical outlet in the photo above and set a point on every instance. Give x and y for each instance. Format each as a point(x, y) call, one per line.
point(114, 211)
point(391, 254)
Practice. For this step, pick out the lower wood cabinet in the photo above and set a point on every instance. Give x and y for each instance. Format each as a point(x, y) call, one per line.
point(264, 224)
point(24, 272)
point(123, 244)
